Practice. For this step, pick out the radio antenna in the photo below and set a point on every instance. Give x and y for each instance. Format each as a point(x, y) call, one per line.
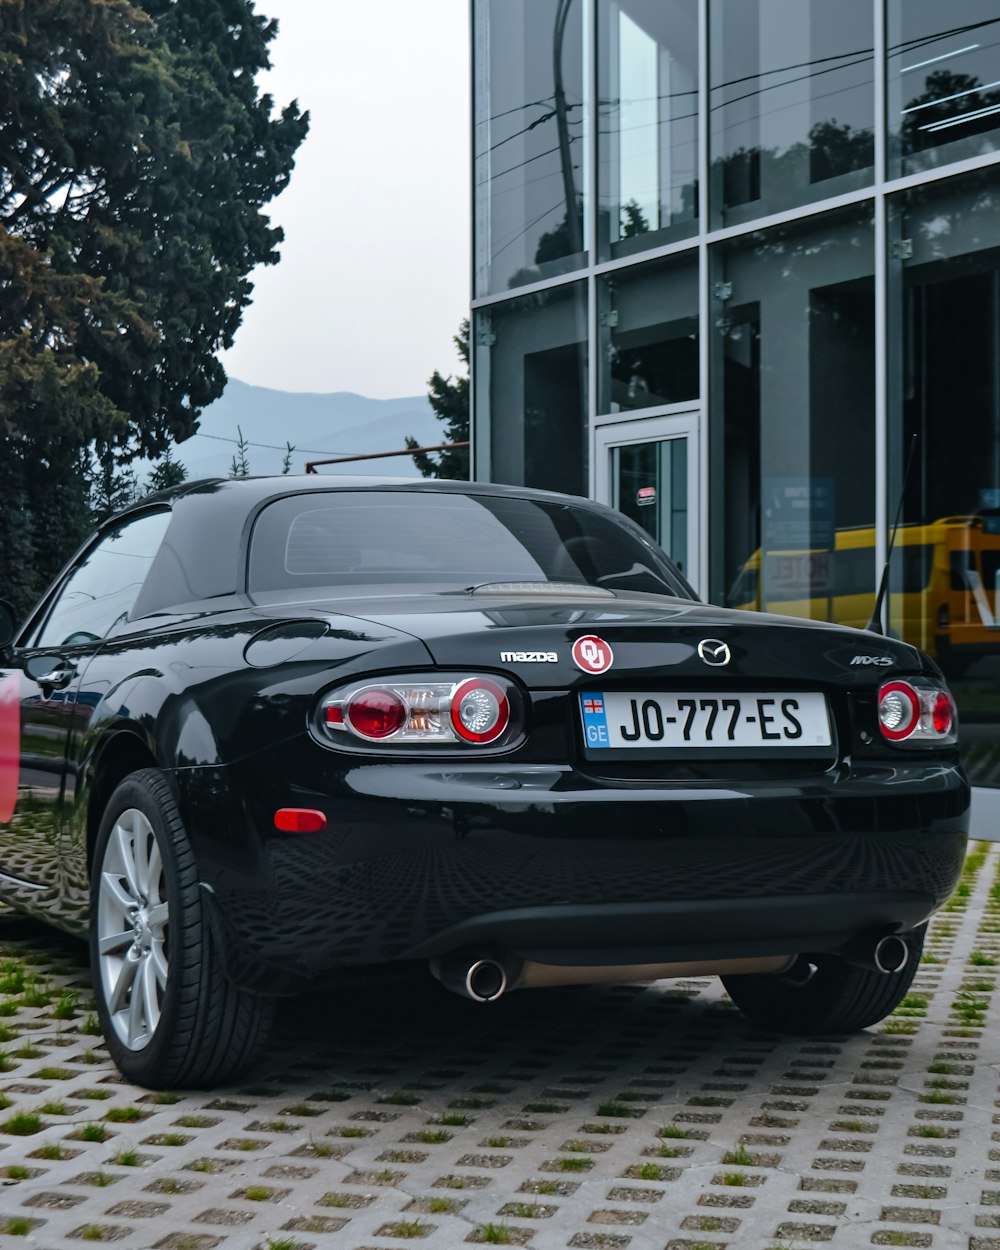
point(875, 624)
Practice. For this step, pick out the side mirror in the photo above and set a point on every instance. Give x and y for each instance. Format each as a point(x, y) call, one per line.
point(8, 624)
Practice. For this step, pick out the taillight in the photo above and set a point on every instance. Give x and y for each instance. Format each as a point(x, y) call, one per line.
point(943, 714)
point(375, 713)
point(917, 712)
point(480, 710)
point(898, 710)
point(448, 711)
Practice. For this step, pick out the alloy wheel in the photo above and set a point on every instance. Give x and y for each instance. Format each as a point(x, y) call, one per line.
point(132, 929)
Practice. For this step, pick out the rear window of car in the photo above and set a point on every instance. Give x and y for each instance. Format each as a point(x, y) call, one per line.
point(364, 538)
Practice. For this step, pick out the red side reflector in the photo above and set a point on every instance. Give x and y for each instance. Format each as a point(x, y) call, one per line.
point(299, 820)
point(334, 715)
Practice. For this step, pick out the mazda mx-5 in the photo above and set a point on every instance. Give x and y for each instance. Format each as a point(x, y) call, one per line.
point(266, 731)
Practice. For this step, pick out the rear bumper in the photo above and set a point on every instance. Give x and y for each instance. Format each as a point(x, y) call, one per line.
point(418, 860)
point(685, 932)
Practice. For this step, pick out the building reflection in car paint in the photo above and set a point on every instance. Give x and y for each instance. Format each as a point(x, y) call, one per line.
point(943, 586)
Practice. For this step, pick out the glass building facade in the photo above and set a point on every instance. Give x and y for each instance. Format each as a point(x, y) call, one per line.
point(736, 271)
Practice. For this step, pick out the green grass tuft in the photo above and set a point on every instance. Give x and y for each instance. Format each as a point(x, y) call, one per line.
point(495, 1234)
point(24, 1124)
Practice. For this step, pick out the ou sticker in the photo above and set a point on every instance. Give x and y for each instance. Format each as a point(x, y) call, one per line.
point(592, 654)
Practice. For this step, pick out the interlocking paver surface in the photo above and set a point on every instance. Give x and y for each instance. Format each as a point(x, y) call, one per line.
point(652, 1117)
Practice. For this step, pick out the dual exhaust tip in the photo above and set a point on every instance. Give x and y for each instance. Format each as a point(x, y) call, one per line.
point(482, 978)
point(886, 954)
point(485, 977)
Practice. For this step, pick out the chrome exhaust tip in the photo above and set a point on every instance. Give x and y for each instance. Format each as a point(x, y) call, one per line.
point(485, 980)
point(886, 954)
point(481, 977)
point(891, 954)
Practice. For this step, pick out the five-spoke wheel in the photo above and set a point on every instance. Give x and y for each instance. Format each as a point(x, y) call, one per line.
point(170, 1015)
point(132, 922)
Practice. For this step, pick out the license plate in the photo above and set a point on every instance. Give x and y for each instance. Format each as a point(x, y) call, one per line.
point(693, 719)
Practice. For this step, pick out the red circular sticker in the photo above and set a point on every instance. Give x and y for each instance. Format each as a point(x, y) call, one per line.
point(592, 654)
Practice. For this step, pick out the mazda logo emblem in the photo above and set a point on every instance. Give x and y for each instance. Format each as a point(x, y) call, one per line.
point(714, 652)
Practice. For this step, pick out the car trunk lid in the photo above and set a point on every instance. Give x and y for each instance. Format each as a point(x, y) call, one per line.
point(648, 638)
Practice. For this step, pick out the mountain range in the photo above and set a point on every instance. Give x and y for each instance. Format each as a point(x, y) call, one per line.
point(318, 426)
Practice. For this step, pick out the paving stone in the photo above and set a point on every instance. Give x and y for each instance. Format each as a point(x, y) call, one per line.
point(805, 1232)
point(101, 1232)
point(638, 1116)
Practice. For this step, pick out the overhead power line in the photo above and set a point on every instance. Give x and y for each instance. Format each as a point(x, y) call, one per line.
point(318, 451)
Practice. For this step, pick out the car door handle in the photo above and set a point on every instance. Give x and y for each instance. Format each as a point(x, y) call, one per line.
point(58, 677)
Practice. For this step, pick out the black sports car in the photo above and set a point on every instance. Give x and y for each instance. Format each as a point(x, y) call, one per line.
point(265, 731)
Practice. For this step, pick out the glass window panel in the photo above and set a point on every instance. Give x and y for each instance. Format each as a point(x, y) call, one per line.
point(648, 92)
point(531, 389)
point(791, 103)
point(649, 484)
point(793, 367)
point(531, 142)
point(943, 81)
point(945, 372)
point(649, 335)
point(104, 586)
point(348, 538)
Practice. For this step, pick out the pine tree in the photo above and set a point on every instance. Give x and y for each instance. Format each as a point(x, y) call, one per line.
point(166, 473)
point(240, 466)
point(449, 397)
point(136, 156)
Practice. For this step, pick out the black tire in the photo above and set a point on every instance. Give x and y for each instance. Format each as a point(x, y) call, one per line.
point(824, 994)
point(169, 1015)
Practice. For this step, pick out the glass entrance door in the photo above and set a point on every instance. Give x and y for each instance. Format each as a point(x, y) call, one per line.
point(648, 470)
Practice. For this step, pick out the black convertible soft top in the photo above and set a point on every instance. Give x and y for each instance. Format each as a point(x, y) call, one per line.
point(203, 556)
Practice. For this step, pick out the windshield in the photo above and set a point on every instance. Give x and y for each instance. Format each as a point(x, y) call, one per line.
point(410, 538)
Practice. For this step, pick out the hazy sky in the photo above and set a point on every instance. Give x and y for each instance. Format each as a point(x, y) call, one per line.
point(374, 271)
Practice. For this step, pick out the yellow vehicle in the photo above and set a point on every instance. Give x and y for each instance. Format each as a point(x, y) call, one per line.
point(944, 589)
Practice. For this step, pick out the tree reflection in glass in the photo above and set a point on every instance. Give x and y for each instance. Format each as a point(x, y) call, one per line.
point(944, 81)
point(791, 103)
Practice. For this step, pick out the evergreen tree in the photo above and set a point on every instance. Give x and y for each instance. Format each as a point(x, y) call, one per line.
point(136, 155)
point(17, 535)
point(166, 473)
point(240, 466)
point(633, 220)
point(449, 397)
point(113, 487)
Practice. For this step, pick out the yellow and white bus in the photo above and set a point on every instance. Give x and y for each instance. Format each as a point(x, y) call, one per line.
point(944, 590)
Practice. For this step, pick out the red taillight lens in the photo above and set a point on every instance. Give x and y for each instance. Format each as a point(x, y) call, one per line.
point(422, 711)
point(376, 713)
point(898, 710)
point(917, 713)
point(943, 715)
point(479, 710)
